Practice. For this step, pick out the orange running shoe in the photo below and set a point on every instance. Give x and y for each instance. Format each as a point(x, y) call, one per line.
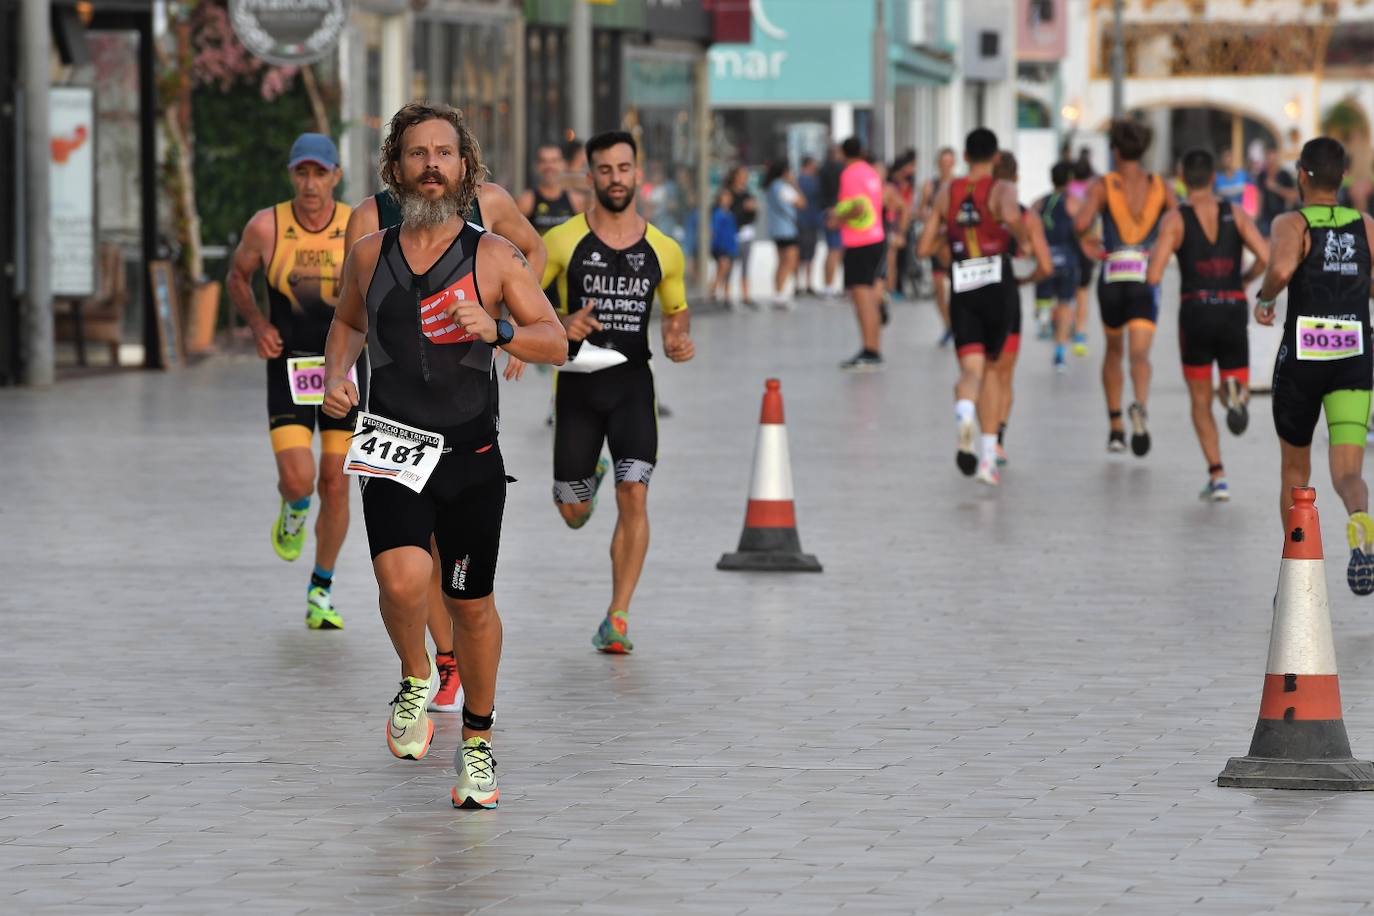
point(446, 700)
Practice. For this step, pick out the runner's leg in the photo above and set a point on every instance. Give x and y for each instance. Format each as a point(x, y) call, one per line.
point(1200, 395)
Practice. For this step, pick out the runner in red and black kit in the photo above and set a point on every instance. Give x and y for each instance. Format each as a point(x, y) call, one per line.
point(981, 219)
point(1209, 235)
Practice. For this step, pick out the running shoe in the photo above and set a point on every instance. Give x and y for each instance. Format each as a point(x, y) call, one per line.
point(446, 697)
point(319, 610)
point(988, 473)
point(603, 464)
point(288, 532)
point(1059, 363)
point(946, 338)
point(611, 636)
point(409, 728)
point(863, 361)
point(1116, 441)
point(1080, 345)
point(1001, 456)
point(1359, 575)
point(1216, 491)
point(966, 457)
point(1237, 412)
point(476, 786)
point(1140, 436)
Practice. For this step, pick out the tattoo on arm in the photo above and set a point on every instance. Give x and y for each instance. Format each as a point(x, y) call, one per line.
point(519, 256)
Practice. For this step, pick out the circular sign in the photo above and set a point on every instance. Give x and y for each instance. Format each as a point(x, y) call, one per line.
point(288, 32)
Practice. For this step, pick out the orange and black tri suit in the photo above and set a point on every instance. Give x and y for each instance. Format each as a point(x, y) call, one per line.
point(303, 279)
point(1123, 296)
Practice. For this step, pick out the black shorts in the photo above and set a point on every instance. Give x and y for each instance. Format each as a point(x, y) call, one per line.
point(862, 264)
point(790, 242)
point(1214, 333)
point(282, 411)
point(461, 507)
point(1086, 266)
point(1301, 386)
point(616, 407)
point(1012, 290)
point(1121, 303)
point(981, 318)
point(806, 240)
point(1061, 285)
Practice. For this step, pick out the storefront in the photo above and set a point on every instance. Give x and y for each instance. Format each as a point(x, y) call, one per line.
point(104, 188)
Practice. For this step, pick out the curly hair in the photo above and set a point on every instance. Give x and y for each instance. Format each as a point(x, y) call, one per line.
point(408, 116)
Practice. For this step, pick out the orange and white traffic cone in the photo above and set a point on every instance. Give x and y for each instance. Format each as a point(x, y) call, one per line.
point(1300, 740)
point(770, 541)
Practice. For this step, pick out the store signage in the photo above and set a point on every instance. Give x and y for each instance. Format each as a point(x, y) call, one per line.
point(288, 32)
point(797, 52)
point(71, 170)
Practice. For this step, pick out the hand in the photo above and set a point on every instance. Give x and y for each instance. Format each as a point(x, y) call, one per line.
point(340, 396)
point(268, 339)
point(469, 315)
point(679, 348)
point(515, 368)
point(581, 323)
point(1265, 314)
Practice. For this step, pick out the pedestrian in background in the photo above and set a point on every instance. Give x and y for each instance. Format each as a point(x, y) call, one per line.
point(810, 221)
point(1278, 190)
point(724, 246)
point(745, 209)
point(784, 200)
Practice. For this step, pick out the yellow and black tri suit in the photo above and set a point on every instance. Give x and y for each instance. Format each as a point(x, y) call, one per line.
point(303, 280)
point(614, 405)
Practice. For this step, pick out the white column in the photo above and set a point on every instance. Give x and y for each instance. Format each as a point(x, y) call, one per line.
point(37, 332)
point(841, 121)
point(395, 75)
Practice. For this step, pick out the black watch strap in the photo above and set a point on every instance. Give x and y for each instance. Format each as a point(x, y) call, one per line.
point(505, 332)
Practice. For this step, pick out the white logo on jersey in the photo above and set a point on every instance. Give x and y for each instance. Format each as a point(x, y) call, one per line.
point(636, 260)
point(1339, 254)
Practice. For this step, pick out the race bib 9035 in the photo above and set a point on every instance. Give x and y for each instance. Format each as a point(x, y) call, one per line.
point(394, 451)
point(975, 273)
point(1329, 338)
point(306, 377)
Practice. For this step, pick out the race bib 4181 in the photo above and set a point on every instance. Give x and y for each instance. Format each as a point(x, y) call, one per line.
point(394, 451)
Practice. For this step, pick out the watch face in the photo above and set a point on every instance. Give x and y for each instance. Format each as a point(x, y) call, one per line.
point(504, 331)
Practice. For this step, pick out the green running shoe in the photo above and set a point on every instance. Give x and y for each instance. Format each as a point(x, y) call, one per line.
point(476, 786)
point(603, 464)
point(319, 610)
point(288, 532)
point(611, 636)
point(409, 728)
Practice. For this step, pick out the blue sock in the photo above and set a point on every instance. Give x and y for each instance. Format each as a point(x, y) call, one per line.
point(300, 505)
point(321, 578)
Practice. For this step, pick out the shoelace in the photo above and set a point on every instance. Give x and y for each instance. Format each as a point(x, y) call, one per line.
point(292, 522)
point(446, 672)
point(479, 762)
point(408, 700)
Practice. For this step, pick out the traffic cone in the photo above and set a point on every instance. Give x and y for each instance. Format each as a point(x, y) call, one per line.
point(770, 541)
point(1300, 740)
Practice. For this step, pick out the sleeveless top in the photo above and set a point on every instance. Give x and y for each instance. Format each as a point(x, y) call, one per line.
point(1054, 216)
point(1333, 280)
point(426, 371)
point(550, 212)
point(1210, 271)
point(1123, 229)
point(303, 278)
point(862, 190)
point(973, 233)
point(389, 211)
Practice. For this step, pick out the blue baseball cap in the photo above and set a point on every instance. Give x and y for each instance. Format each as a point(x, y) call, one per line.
point(314, 148)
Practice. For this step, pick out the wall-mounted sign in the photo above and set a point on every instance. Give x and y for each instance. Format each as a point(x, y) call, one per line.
point(71, 167)
point(288, 32)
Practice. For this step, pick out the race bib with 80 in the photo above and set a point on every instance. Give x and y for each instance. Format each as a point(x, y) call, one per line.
point(1125, 266)
point(1329, 338)
point(385, 448)
point(306, 375)
point(975, 273)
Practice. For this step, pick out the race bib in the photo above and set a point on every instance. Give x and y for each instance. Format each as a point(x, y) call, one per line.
point(1329, 338)
point(385, 448)
point(591, 358)
point(1125, 266)
point(975, 273)
point(306, 375)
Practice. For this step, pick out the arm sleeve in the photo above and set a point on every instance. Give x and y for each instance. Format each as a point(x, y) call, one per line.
point(672, 289)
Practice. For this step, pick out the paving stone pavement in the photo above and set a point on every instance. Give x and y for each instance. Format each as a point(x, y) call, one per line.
point(989, 702)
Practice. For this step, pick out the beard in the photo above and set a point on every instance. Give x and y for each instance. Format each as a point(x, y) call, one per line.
point(610, 203)
point(420, 210)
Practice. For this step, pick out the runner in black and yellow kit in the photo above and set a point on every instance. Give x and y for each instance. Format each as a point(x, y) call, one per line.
point(300, 245)
point(1131, 201)
point(609, 265)
point(1321, 254)
point(493, 209)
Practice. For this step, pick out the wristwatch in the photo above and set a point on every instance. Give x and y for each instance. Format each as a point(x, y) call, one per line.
point(505, 332)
